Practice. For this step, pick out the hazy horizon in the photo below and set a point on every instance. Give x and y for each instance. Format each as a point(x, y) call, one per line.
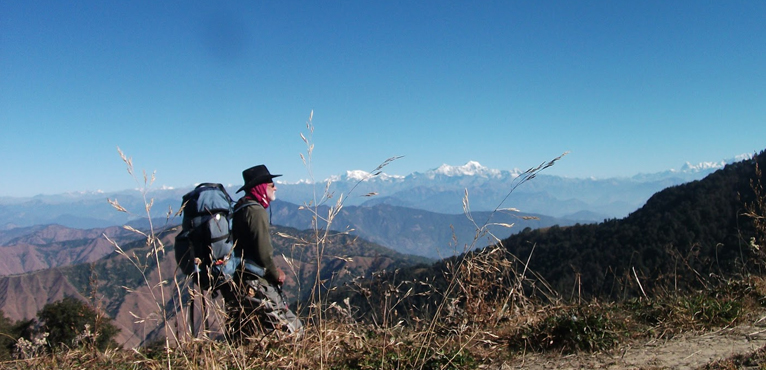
point(199, 91)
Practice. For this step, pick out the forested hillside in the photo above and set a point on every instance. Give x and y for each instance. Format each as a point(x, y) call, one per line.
point(686, 237)
point(681, 237)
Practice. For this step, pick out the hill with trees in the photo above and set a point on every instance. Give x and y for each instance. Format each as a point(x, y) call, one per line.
point(682, 238)
point(686, 237)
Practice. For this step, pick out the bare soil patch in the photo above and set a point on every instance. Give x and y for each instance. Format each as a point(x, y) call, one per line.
point(684, 351)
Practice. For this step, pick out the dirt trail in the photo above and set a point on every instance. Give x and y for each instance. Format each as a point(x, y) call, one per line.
point(686, 351)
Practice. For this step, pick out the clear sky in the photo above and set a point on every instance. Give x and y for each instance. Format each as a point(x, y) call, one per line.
point(199, 91)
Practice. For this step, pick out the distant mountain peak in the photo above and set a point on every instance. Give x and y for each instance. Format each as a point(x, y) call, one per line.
point(360, 175)
point(702, 166)
point(471, 168)
point(705, 166)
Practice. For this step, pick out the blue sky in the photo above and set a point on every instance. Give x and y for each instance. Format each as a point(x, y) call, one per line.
point(200, 91)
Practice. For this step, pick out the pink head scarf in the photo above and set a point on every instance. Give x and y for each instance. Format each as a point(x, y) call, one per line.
point(259, 194)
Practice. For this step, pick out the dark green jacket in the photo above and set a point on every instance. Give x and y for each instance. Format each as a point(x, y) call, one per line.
point(250, 227)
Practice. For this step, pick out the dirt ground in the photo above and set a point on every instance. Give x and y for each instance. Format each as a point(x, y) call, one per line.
point(687, 351)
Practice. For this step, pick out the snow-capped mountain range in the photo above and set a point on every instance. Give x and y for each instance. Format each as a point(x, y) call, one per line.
point(475, 169)
point(442, 189)
point(472, 168)
point(438, 190)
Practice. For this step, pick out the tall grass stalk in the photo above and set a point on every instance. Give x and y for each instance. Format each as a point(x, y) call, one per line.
point(321, 227)
point(756, 210)
point(156, 247)
point(156, 251)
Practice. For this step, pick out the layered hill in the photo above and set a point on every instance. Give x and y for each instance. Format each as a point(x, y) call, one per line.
point(416, 231)
point(405, 230)
point(127, 286)
point(48, 246)
point(438, 190)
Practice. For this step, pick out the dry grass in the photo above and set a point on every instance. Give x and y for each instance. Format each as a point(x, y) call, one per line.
point(492, 308)
point(465, 336)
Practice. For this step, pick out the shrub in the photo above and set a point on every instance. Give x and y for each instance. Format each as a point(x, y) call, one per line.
point(10, 332)
point(72, 322)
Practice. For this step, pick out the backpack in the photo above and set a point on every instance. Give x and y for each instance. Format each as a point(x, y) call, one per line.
point(204, 245)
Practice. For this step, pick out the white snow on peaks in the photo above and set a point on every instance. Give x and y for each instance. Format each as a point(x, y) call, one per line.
point(472, 168)
point(359, 175)
point(354, 175)
point(385, 176)
point(706, 166)
point(742, 157)
point(702, 166)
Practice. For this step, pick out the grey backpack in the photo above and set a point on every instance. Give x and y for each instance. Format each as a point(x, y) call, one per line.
point(203, 247)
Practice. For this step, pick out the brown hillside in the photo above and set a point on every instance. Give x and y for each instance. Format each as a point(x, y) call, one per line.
point(56, 246)
point(136, 301)
point(22, 296)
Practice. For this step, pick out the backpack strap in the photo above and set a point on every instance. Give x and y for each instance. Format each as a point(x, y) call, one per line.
point(245, 204)
point(249, 203)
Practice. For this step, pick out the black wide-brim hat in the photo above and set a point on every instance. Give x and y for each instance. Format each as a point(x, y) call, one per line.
point(256, 175)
